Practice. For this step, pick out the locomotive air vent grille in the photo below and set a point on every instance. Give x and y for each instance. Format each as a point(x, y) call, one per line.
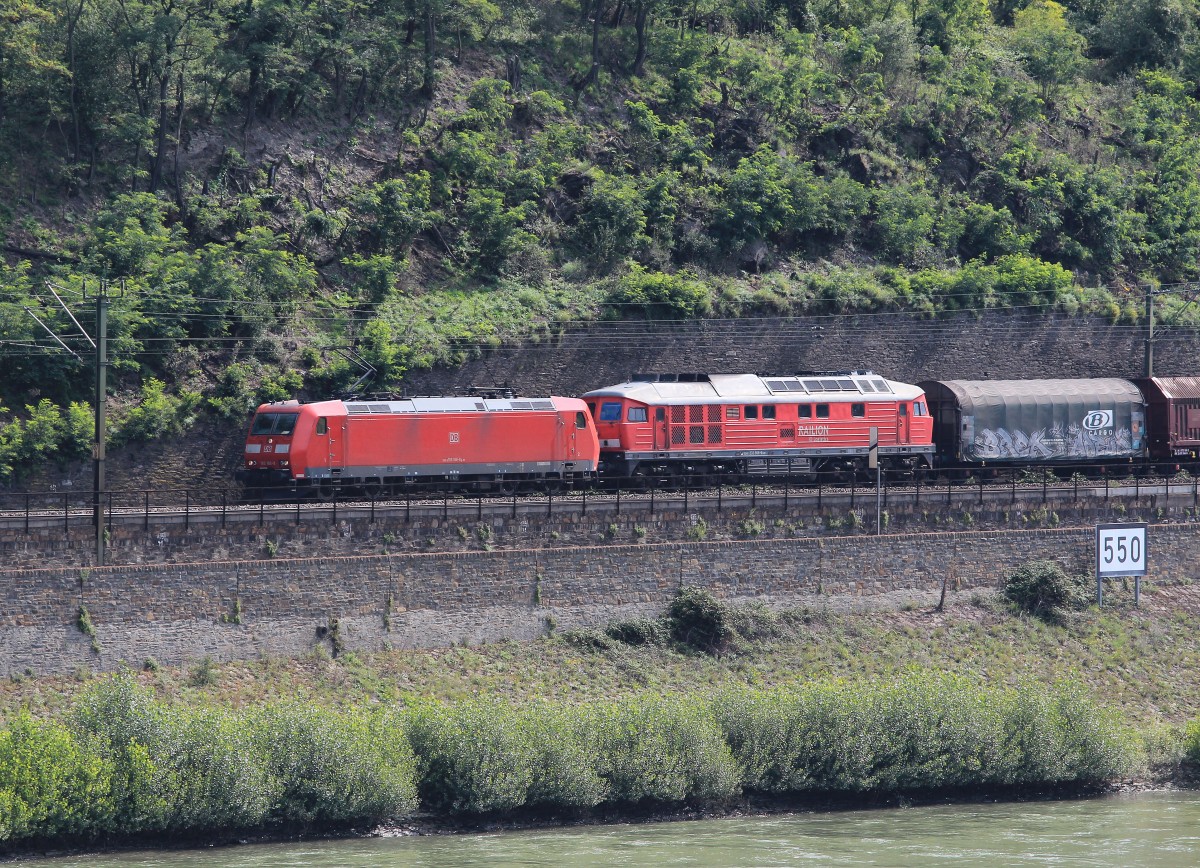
point(543, 405)
point(356, 409)
point(379, 408)
point(479, 405)
point(522, 405)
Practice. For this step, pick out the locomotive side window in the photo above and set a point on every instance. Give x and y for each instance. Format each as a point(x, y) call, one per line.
point(637, 414)
point(919, 409)
point(322, 425)
point(858, 409)
point(805, 410)
point(903, 409)
point(822, 411)
point(610, 411)
point(751, 412)
point(592, 407)
point(581, 419)
point(660, 414)
point(733, 413)
point(768, 411)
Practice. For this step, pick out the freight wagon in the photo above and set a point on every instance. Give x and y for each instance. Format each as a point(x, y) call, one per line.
point(1036, 422)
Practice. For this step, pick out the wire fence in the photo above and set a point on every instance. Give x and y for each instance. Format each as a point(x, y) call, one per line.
point(37, 510)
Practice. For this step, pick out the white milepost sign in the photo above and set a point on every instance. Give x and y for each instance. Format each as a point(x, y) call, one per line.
point(1120, 551)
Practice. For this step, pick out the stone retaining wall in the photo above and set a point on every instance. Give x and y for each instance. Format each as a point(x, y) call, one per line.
point(245, 609)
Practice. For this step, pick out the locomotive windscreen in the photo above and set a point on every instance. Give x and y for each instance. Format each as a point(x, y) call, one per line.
point(274, 423)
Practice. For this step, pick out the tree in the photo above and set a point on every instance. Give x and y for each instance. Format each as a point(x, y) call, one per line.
point(1049, 47)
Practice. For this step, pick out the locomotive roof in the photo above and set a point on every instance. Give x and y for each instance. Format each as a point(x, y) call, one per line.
point(468, 404)
point(978, 394)
point(709, 388)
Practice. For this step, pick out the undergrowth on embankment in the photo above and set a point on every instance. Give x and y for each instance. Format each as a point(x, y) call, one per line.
point(123, 763)
point(706, 706)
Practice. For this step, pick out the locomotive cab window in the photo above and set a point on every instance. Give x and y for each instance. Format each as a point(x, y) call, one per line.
point(274, 423)
point(805, 410)
point(858, 409)
point(768, 411)
point(636, 414)
point(610, 411)
point(751, 412)
point(322, 425)
point(660, 414)
point(822, 411)
point(581, 419)
point(919, 409)
point(903, 409)
point(591, 405)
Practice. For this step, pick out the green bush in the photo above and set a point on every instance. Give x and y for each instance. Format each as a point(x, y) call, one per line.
point(924, 732)
point(158, 414)
point(566, 771)
point(664, 750)
point(335, 768)
point(175, 768)
point(654, 294)
point(699, 619)
point(51, 781)
point(645, 631)
point(474, 757)
point(1044, 589)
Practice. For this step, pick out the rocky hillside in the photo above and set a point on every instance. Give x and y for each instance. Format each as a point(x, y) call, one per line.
point(283, 197)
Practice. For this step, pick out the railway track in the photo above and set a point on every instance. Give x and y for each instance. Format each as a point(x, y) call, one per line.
point(27, 512)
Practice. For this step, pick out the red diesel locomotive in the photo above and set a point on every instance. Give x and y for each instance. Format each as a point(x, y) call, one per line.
point(710, 424)
point(379, 446)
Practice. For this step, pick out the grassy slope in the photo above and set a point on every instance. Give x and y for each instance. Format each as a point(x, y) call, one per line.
point(1143, 663)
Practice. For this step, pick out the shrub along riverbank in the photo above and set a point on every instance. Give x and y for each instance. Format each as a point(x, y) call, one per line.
point(123, 763)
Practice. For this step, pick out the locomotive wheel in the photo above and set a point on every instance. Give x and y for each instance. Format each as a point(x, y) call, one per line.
point(325, 490)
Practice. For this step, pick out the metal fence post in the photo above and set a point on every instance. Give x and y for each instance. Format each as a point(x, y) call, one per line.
point(222, 508)
point(27, 512)
point(187, 509)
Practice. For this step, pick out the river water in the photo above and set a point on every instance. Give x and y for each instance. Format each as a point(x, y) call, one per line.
point(1160, 829)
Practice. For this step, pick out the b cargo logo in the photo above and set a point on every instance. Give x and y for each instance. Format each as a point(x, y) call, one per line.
point(1098, 420)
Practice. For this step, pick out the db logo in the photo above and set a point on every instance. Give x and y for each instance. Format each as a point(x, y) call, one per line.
point(1098, 419)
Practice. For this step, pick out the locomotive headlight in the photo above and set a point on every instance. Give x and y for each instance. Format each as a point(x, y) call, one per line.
point(283, 463)
point(251, 463)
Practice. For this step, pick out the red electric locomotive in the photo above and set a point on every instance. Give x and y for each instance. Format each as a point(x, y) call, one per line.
point(702, 424)
point(479, 442)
